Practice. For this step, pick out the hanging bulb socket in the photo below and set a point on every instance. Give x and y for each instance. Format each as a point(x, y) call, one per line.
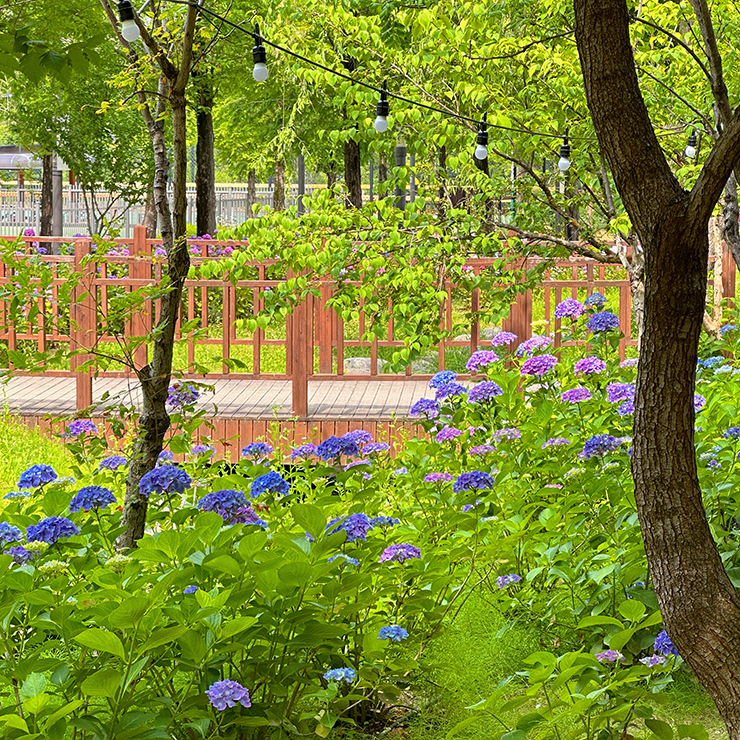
point(259, 57)
point(481, 148)
point(564, 161)
point(381, 111)
point(690, 150)
point(127, 18)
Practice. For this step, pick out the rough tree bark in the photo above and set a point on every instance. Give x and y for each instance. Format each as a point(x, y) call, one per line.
point(700, 606)
point(352, 174)
point(278, 193)
point(150, 215)
point(251, 191)
point(47, 196)
point(155, 377)
point(205, 169)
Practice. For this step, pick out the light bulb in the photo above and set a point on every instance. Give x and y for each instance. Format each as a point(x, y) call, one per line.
point(130, 31)
point(563, 164)
point(381, 124)
point(481, 152)
point(690, 151)
point(260, 72)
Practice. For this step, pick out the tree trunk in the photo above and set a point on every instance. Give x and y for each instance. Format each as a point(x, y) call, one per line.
point(331, 178)
point(47, 197)
point(251, 192)
point(150, 215)
point(278, 194)
point(442, 192)
point(352, 174)
point(730, 215)
point(699, 604)
point(205, 171)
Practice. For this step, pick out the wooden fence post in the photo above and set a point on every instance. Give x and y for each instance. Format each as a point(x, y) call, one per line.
point(323, 324)
point(728, 274)
point(140, 268)
point(519, 321)
point(84, 322)
point(302, 356)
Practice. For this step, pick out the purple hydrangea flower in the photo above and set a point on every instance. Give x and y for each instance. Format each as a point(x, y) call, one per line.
point(602, 321)
point(91, 497)
point(664, 645)
point(359, 437)
point(450, 390)
point(165, 457)
point(112, 463)
point(257, 450)
point(340, 674)
point(576, 395)
point(616, 392)
point(484, 391)
point(555, 442)
point(80, 426)
point(227, 693)
point(198, 450)
point(627, 408)
point(394, 633)
point(272, 482)
point(609, 656)
point(20, 554)
point(538, 341)
point(503, 338)
point(355, 525)
point(37, 476)
point(400, 553)
point(699, 402)
point(570, 308)
point(333, 447)
point(629, 362)
point(243, 515)
point(438, 478)
point(732, 433)
point(538, 365)
point(599, 445)
point(482, 450)
point(303, 452)
point(481, 358)
point(355, 463)
point(652, 660)
point(504, 581)
point(373, 448)
point(589, 366)
point(182, 394)
point(448, 434)
point(475, 479)
point(507, 433)
point(224, 502)
point(167, 478)
point(51, 530)
point(596, 300)
point(9, 533)
point(425, 406)
point(442, 378)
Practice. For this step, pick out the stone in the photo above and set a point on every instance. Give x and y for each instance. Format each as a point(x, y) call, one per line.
point(360, 365)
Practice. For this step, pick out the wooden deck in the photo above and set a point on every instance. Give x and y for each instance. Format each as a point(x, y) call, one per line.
point(351, 400)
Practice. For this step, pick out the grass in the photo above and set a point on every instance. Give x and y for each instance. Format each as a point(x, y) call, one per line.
point(21, 447)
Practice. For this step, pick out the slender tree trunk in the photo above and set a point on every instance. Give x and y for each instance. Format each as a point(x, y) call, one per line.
point(278, 194)
point(352, 174)
point(205, 171)
point(442, 192)
point(47, 197)
point(150, 215)
point(382, 168)
point(730, 215)
point(251, 192)
point(699, 604)
point(331, 177)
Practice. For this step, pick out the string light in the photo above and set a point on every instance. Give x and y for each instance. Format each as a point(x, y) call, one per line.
point(259, 56)
point(481, 149)
point(564, 161)
point(381, 111)
point(129, 28)
point(690, 150)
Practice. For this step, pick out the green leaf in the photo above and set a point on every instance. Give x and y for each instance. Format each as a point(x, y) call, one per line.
point(235, 626)
point(295, 574)
point(33, 686)
point(310, 518)
point(64, 711)
point(103, 683)
point(130, 613)
point(462, 725)
point(97, 639)
point(36, 704)
point(695, 732)
point(515, 735)
point(162, 637)
point(662, 729)
point(620, 639)
point(632, 610)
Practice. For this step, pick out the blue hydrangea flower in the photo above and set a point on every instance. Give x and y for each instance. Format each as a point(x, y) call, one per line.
point(394, 633)
point(449, 390)
point(167, 478)
point(257, 450)
point(358, 436)
point(596, 300)
point(91, 497)
point(345, 558)
point(223, 694)
point(37, 476)
point(616, 392)
point(165, 457)
point(475, 479)
point(9, 533)
point(627, 408)
point(384, 521)
point(17, 494)
point(602, 321)
point(732, 433)
point(727, 328)
point(51, 530)
point(484, 391)
point(182, 394)
point(340, 674)
point(442, 378)
point(355, 525)
point(570, 308)
point(427, 407)
point(272, 482)
point(599, 445)
point(222, 502)
point(20, 554)
point(334, 447)
point(711, 362)
point(504, 581)
point(79, 427)
point(112, 463)
point(199, 450)
point(244, 515)
point(664, 645)
point(303, 452)
point(190, 590)
point(373, 448)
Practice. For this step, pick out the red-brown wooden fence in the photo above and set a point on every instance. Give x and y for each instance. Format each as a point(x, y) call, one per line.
point(315, 340)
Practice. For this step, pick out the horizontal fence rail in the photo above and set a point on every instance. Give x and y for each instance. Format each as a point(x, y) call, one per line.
point(312, 343)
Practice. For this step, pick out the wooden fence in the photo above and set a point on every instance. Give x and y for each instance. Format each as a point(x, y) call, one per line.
point(314, 341)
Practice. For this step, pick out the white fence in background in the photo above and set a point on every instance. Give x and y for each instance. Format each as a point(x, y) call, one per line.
point(21, 209)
